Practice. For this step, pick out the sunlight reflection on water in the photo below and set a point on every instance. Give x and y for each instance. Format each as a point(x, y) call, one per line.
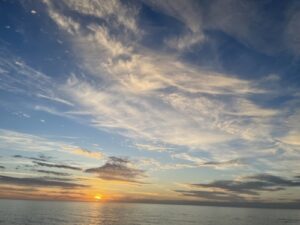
point(70, 213)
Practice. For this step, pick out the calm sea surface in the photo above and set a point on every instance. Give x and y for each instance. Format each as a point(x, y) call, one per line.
point(69, 213)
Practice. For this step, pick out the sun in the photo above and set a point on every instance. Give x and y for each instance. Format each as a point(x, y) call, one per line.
point(98, 197)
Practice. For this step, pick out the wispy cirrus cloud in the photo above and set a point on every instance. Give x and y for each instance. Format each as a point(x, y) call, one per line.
point(20, 78)
point(222, 16)
point(204, 162)
point(293, 134)
point(128, 72)
point(55, 99)
point(152, 96)
point(187, 12)
point(156, 91)
point(33, 143)
point(25, 142)
point(114, 11)
point(151, 147)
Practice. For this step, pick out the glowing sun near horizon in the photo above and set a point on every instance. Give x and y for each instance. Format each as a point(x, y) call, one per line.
point(98, 197)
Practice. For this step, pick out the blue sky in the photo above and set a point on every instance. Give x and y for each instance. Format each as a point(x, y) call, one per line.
point(166, 100)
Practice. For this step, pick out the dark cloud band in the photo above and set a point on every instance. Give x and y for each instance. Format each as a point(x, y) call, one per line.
point(118, 169)
point(39, 181)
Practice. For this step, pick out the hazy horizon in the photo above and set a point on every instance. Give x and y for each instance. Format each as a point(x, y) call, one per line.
point(67, 213)
point(246, 205)
point(169, 102)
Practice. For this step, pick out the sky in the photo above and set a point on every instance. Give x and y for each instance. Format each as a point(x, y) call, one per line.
point(174, 101)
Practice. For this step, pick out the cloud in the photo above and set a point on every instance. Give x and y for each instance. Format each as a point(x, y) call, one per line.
point(212, 195)
point(61, 166)
point(292, 138)
point(157, 92)
point(158, 97)
point(151, 147)
point(226, 164)
point(113, 11)
point(192, 117)
point(18, 77)
point(2, 167)
point(152, 96)
point(55, 99)
point(26, 142)
point(188, 12)
point(251, 185)
point(85, 152)
point(153, 165)
point(40, 158)
point(39, 182)
point(22, 115)
point(14, 189)
point(253, 189)
point(53, 173)
point(293, 131)
point(204, 162)
point(187, 157)
point(32, 143)
point(239, 20)
point(118, 169)
point(185, 42)
point(291, 34)
point(52, 111)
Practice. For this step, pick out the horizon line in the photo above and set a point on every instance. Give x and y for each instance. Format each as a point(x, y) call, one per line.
point(258, 205)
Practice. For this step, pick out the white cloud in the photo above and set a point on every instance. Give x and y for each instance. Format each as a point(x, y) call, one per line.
point(153, 165)
point(154, 97)
point(138, 118)
point(292, 137)
point(151, 147)
point(185, 41)
point(109, 10)
point(12, 140)
point(19, 78)
point(55, 99)
point(85, 152)
point(186, 156)
point(128, 93)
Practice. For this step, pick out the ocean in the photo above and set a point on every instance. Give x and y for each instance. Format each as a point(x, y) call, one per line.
point(15, 212)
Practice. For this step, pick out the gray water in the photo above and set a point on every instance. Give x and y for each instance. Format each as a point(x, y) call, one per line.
point(14, 212)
